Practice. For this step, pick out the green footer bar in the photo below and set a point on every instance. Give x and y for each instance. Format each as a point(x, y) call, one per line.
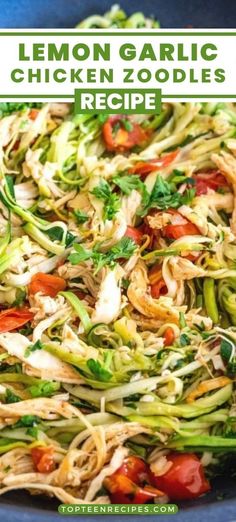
point(118, 509)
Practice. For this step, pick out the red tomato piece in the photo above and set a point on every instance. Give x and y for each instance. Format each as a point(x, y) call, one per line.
point(47, 284)
point(184, 480)
point(148, 231)
point(143, 168)
point(169, 336)
point(212, 179)
point(135, 234)
point(124, 491)
point(14, 318)
point(155, 274)
point(118, 137)
point(135, 469)
point(175, 232)
point(179, 226)
point(159, 289)
point(33, 114)
point(43, 459)
point(130, 483)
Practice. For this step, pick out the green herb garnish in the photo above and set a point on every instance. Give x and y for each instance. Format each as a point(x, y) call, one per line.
point(11, 397)
point(111, 200)
point(124, 249)
point(101, 373)
point(33, 347)
point(80, 216)
point(128, 183)
point(165, 196)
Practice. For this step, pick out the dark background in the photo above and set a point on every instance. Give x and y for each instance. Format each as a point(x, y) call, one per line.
point(66, 13)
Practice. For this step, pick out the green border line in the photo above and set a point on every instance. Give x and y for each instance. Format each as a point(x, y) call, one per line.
point(118, 33)
point(199, 96)
point(71, 96)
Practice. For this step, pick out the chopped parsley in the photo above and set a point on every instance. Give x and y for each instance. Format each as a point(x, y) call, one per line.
point(27, 421)
point(11, 397)
point(99, 371)
point(43, 389)
point(165, 196)
point(184, 340)
point(33, 347)
point(111, 199)
point(124, 249)
point(227, 354)
point(20, 297)
point(129, 183)
point(80, 216)
point(7, 108)
point(56, 234)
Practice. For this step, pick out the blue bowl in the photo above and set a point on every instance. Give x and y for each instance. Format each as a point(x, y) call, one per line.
point(19, 506)
point(66, 13)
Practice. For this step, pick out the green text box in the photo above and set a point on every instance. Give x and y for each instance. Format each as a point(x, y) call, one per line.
point(117, 101)
point(118, 509)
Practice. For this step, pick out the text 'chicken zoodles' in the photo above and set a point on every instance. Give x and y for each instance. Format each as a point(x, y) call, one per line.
point(118, 301)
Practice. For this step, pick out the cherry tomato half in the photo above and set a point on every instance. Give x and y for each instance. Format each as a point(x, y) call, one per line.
point(179, 226)
point(47, 284)
point(121, 134)
point(43, 459)
point(14, 318)
point(128, 485)
point(184, 480)
point(135, 469)
point(212, 179)
point(159, 289)
point(169, 336)
point(135, 234)
point(33, 114)
point(123, 491)
point(143, 168)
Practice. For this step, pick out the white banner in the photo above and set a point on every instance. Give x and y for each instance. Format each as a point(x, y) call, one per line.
point(43, 65)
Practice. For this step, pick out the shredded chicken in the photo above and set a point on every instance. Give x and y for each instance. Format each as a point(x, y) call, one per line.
point(107, 307)
point(227, 164)
point(142, 301)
